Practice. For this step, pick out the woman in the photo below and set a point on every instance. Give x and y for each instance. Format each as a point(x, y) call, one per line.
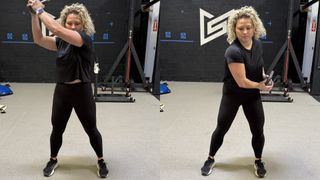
point(73, 43)
point(243, 81)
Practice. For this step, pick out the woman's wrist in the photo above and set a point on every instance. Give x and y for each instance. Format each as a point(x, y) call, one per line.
point(39, 10)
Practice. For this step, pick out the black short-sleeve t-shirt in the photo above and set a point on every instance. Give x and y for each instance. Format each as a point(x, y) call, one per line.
point(252, 60)
point(74, 62)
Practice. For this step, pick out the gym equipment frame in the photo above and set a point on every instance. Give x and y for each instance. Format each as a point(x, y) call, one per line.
point(288, 50)
point(130, 50)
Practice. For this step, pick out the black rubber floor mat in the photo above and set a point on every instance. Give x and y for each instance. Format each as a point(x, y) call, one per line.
point(317, 98)
point(275, 98)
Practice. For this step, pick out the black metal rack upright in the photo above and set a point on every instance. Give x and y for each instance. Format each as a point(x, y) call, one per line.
point(288, 50)
point(130, 50)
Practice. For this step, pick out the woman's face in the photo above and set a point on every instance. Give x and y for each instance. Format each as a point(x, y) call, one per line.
point(244, 30)
point(74, 22)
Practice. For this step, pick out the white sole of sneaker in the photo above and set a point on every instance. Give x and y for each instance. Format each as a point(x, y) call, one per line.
point(203, 174)
point(54, 168)
point(99, 174)
point(256, 173)
point(3, 108)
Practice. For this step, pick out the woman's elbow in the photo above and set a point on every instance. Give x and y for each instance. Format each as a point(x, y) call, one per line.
point(36, 41)
point(241, 84)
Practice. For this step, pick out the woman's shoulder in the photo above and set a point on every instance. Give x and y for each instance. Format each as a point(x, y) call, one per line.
point(233, 53)
point(258, 42)
point(84, 35)
point(233, 47)
point(86, 38)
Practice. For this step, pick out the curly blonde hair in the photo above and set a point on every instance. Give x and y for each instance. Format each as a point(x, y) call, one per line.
point(245, 12)
point(81, 10)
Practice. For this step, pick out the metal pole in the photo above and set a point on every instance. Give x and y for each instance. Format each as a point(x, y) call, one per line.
point(130, 27)
point(287, 56)
point(308, 4)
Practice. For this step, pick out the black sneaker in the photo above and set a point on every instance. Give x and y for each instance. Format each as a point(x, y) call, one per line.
point(207, 167)
point(50, 167)
point(260, 170)
point(102, 169)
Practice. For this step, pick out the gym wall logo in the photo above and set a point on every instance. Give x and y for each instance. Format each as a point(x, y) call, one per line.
point(213, 28)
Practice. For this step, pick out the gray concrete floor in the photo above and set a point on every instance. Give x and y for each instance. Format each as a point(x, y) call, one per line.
point(140, 143)
point(130, 134)
point(292, 132)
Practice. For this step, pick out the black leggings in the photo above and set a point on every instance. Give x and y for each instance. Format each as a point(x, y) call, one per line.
point(78, 96)
point(253, 110)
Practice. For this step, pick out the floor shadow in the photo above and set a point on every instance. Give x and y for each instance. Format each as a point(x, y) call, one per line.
point(77, 163)
point(236, 164)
